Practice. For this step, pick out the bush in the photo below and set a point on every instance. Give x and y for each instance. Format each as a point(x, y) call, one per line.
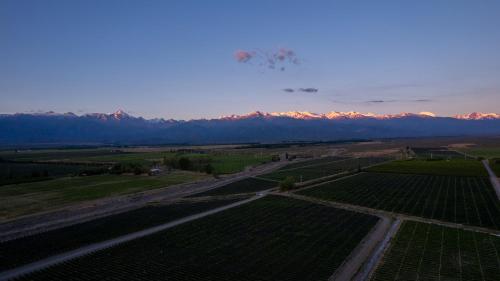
point(184, 163)
point(209, 169)
point(287, 184)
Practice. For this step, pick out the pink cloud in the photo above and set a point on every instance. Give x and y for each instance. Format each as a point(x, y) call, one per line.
point(243, 56)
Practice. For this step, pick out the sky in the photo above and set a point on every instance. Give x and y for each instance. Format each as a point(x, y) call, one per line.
point(203, 59)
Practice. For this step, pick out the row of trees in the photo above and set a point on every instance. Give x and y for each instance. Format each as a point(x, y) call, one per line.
point(199, 164)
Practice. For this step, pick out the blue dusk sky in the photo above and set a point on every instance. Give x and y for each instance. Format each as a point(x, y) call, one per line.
point(194, 59)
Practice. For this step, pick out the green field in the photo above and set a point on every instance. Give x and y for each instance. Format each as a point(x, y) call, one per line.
point(486, 152)
point(11, 173)
point(248, 185)
point(222, 162)
point(272, 238)
point(27, 198)
point(58, 154)
point(320, 169)
point(31, 248)
point(431, 252)
point(464, 200)
point(456, 167)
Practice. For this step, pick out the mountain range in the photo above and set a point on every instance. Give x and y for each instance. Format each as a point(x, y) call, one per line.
point(23, 129)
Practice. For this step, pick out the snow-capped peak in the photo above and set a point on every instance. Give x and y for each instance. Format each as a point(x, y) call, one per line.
point(120, 114)
point(478, 116)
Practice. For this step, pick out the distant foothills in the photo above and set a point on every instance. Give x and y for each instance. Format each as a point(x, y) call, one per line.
point(23, 129)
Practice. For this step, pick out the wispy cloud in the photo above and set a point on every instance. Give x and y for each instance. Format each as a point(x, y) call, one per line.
point(275, 59)
point(303, 90)
point(396, 100)
point(308, 90)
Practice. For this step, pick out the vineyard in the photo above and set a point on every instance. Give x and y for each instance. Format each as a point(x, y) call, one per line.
point(456, 167)
point(272, 238)
point(321, 169)
point(247, 185)
point(465, 200)
point(323, 160)
point(436, 153)
point(430, 252)
point(31, 248)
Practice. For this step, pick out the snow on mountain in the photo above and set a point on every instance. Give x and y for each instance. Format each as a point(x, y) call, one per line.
point(478, 116)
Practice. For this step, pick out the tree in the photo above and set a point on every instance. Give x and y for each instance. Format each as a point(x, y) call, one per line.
point(287, 184)
point(184, 163)
point(208, 168)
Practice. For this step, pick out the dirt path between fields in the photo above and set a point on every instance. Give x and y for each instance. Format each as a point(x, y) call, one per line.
point(375, 258)
point(493, 178)
point(353, 263)
point(376, 212)
point(87, 211)
point(44, 263)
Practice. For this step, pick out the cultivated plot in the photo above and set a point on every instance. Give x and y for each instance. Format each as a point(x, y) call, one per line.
point(437, 153)
point(322, 160)
point(423, 251)
point(464, 200)
point(314, 171)
point(24, 250)
point(456, 167)
point(248, 185)
point(273, 238)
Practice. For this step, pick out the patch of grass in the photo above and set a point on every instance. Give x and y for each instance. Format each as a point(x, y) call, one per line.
point(455, 167)
point(272, 238)
point(26, 198)
point(486, 152)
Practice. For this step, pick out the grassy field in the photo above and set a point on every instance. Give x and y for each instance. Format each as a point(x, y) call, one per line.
point(222, 162)
point(456, 167)
point(465, 200)
point(242, 186)
point(58, 154)
point(31, 248)
point(272, 238)
point(26, 198)
point(320, 169)
point(430, 252)
point(11, 173)
point(486, 152)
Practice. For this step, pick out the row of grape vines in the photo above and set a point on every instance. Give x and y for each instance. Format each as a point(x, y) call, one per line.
point(423, 251)
point(464, 200)
point(27, 249)
point(273, 238)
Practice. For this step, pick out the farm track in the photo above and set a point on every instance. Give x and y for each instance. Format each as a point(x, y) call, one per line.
point(493, 178)
point(36, 223)
point(44, 263)
point(355, 261)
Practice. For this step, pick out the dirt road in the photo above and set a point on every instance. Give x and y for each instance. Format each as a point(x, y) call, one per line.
point(107, 206)
point(493, 178)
